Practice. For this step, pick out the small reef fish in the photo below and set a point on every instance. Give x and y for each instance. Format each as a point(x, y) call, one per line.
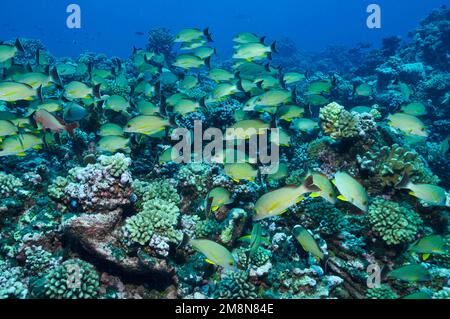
point(316, 99)
point(113, 143)
point(241, 171)
point(110, 129)
point(290, 112)
point(147, 125)
point(415, 109)
point(116, 103)
point(431, 194)
point(274, 98)
point(307, 241)
point(409, 124)
point(251, 51)
point(219, 197)
point(7, 128)
point(319, 87)
point(277, 202)
point(215, 253)
point(326, 188)
point(245, 129)
point(361, 109)
point(193, 34)
point(351, 190)
point(417, 296)
point(145, 107)
point(293, 77)
point(189, 82)
point(304, 124)
point(74, 112)
point(433, 244)
point(14, 91)
point(7, 52)
point(248, 37)
point(50, 122)
point(19, 144)
point(79, 90)
point(51, 106)
point(411, 273)
point(280, 173)
point(363, 90)
point(188, 61)
point(220, 75)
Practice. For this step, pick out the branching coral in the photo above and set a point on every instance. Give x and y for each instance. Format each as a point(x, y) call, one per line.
point(382, 292)
point(73, 279)
point(9, 185)
point(393, 222)
point(154, 225)
point(161, 188)
point(11, 285)
point(338, 123)
point(235, 285)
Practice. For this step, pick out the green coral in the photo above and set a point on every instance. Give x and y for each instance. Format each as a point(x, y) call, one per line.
point(337, 122)
point(11, 286)
point(319, 145)
point(236, 285)
point(259, 258)
point(391, 163)
point(158, 217)
point(38, 260)
point(195, 175)
point(56, 189)
point(161, 188)
point(393, 222)
point(206, 228)
point(9, 185)
point(73, 279)
point(329, 219)
point(381, 292)
point(116, 164)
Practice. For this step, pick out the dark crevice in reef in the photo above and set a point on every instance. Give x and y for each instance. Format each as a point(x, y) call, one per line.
point(156, 280)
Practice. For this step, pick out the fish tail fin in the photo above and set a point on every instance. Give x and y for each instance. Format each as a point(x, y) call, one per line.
point(19, 46)
point(71, 127)
point(202, 103)
point(55, 77)
point(308, 185)
point(404, 182)
point(273, 47)
point(40, 94)
point(262, 39)
point(163, 105)
point(96, 91)
point(208, 62)
point(239, 85)
point(208, 35)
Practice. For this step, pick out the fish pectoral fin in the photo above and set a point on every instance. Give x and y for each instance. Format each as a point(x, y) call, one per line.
point(314, 195)
point(209, 261)
point(411, 193)
point(21, 154)
point(214, 208)
point(426, 256)
point(342, 198)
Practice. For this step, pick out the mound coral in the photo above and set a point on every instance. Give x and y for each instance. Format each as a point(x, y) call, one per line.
point(382, 292)
point(103, 186)
point(394, 223)
point(389, 164)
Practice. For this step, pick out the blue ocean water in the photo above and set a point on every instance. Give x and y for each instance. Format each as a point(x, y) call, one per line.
point(109, 26)
point(134, 151)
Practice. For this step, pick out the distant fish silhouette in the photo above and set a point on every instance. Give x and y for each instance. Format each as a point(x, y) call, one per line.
point(139, 33)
